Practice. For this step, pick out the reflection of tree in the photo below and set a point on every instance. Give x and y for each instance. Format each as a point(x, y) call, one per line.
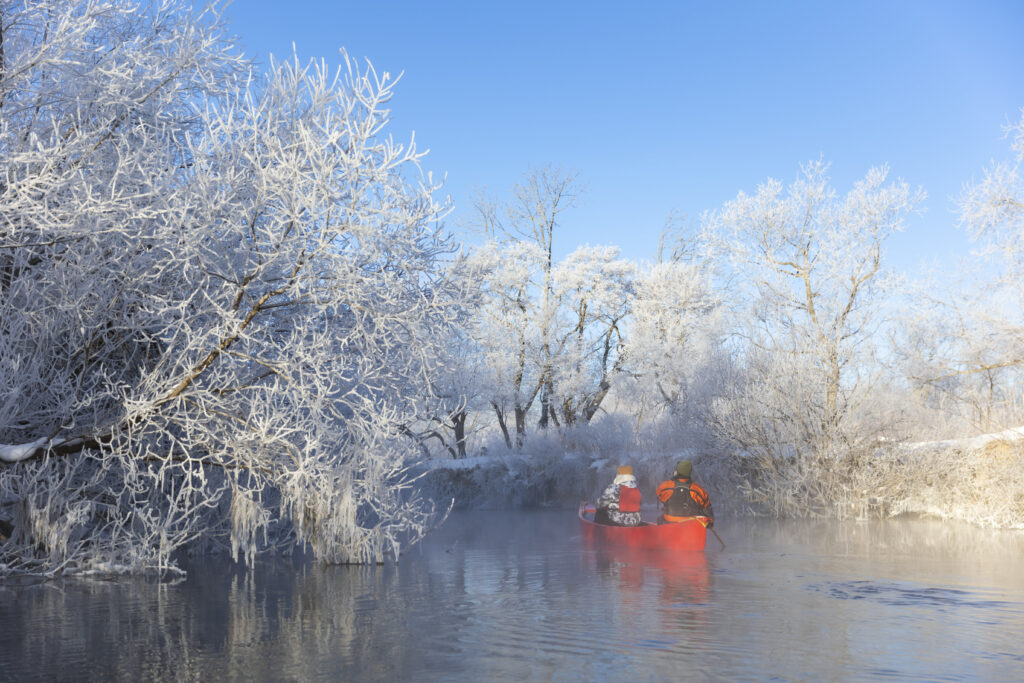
point(269, 623)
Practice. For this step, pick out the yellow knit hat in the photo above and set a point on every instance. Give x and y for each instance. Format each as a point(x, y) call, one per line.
point(625, 469)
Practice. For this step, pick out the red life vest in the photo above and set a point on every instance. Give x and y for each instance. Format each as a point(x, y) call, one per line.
point(629, 499)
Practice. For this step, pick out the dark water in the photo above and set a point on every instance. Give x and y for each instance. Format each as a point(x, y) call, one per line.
point(514, 596)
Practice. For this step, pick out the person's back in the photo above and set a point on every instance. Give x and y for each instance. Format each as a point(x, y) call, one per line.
point(619, 504)
point(682, 498)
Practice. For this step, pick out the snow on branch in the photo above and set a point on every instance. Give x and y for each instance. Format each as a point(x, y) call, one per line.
point(17, 453)
point(219, 292)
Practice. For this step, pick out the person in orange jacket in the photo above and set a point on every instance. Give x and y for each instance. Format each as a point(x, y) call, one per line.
point(682, 498)
point(619, 504)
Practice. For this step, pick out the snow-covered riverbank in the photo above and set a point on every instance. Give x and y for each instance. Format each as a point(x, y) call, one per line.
point(978, 480)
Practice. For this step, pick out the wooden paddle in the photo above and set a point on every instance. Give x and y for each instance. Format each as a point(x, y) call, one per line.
point(704, 521)
point(712, 529)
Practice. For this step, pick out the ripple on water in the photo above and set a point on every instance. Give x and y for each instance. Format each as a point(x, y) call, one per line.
point(903, 594)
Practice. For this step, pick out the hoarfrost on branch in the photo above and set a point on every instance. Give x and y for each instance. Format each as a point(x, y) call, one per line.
point(216, 292)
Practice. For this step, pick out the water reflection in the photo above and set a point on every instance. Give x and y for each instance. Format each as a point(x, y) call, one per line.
point(674, 585)
point(517, 595)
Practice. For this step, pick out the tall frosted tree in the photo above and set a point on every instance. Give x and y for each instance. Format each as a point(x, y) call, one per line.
point(993, 209)
point(507, 333)
point(990, 345)
point(216, 291)
point(677, 325)
point(595, 289)
point(532, 216)
point(811, 274)
point(964, 352)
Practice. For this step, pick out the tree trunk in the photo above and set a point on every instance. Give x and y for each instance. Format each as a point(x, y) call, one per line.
point(595, 403)
point(459, 423)
point(545, 407)
point(520, 425)
point(501, 423)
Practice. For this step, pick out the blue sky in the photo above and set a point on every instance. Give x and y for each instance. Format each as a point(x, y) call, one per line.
point(666, 107)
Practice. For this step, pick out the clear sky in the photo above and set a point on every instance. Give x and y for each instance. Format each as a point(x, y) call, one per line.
point(666, 107)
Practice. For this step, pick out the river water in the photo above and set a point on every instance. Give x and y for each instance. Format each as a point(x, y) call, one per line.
point(517, 596)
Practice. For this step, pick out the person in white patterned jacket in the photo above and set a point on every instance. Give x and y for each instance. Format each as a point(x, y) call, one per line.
point(619, 504)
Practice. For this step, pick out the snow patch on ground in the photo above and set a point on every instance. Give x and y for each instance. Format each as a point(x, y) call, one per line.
point(971, 443)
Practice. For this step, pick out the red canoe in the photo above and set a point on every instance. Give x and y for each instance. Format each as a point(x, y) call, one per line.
point(690, 534)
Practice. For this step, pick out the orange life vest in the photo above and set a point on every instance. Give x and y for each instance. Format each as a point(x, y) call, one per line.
point(683, 498)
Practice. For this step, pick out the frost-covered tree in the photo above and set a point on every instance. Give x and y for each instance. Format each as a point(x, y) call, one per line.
point(809, 267)
point(994, 208)
point(966, 347)
point(677, 324)
point(217, 293)
point(565, 344)
point(594, 289)
point(531, 215)
point(462, 387)
point(505, 328)
point(959, 348)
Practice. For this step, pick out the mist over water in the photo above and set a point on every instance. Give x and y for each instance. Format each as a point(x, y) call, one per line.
point(515, 595)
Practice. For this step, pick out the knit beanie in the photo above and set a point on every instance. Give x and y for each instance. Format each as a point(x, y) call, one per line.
point(625, 469)
point(684, 468)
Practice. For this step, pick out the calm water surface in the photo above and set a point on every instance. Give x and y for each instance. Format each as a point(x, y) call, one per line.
point(499, 596)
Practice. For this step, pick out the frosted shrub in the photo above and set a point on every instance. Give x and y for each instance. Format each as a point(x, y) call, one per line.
point(980, 480)
point(217, 293)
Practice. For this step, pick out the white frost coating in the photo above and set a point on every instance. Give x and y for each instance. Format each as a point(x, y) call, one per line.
point(226, 288)
point(673, 351)
point(17, 453)
point(994, 207)
point(248, 518)
point(809, 270)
